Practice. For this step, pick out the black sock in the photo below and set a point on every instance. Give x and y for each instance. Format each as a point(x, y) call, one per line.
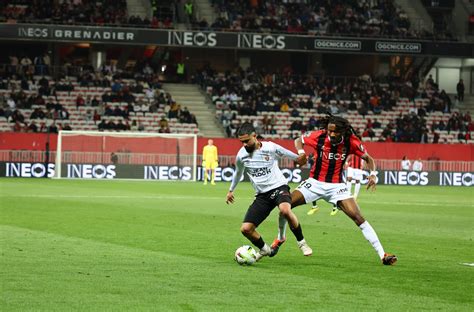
point(298, 232)
point(259, 243)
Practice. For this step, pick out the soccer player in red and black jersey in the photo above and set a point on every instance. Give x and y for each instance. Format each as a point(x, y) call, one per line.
point(355, 164)
point(332, 144)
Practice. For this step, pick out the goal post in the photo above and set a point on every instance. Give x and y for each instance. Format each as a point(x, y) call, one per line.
point(126, 155)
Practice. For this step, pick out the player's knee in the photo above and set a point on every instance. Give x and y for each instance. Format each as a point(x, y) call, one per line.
point(246, 229)
point(285, 211)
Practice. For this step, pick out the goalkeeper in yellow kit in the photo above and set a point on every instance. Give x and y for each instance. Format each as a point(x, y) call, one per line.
point(209, 161)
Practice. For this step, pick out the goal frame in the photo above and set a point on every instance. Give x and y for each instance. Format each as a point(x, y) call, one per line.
point(61, 133)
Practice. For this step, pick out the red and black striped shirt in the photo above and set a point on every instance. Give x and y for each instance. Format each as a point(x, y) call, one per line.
point(355, 162)
point(329, 159)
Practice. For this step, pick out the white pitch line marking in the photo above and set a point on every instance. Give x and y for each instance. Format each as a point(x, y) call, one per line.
point(112, 196)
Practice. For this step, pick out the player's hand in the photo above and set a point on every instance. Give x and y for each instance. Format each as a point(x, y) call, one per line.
point(204, 163)
point(371, 182)
point(302, 159)
point(230, 198)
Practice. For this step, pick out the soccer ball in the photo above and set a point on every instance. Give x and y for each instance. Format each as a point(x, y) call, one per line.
point(245, 255)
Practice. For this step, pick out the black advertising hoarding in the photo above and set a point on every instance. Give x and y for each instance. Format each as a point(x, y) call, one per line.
point(337, 44)
point(68, 33)
point(230, 40)
point(119, 171)
point(184, 173)
point(398, 47)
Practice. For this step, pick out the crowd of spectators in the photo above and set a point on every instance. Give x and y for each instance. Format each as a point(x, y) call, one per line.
point(251, 92)
point(27, 67)
point(372, 18)
point(45, 106)
point(261, 90)
point(321, 17)
point(86, 12)
point(137, 92)
point(413, 128)
point(39, 94)
point(67, 12)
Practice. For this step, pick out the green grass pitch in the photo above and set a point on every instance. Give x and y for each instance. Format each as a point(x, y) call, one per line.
point(124, 245)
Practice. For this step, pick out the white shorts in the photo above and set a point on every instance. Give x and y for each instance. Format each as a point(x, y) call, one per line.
point(355, 174)
point(331, 192)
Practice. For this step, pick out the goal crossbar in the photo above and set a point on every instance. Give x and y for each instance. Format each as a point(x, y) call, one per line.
point(62, 134)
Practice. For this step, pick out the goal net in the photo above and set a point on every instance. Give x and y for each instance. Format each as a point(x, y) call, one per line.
point(126, 155)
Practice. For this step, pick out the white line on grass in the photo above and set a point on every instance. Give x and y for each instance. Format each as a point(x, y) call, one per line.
point(191, 197)
point(113, 196)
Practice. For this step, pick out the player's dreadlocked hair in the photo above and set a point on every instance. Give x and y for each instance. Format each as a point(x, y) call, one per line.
point(342, 125)
point(245, 128)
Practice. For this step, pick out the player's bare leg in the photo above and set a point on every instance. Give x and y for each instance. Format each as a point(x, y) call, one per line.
point(295, 227)
point(297, 199)
point(249, 230)
point(352, 210)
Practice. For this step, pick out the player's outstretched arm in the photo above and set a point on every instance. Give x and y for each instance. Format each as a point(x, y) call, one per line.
point(299, 145)
point(372, 176)
point(299, 159)
point(371, 184)
point(230, 198)
point(302, 158)
point(239, 170)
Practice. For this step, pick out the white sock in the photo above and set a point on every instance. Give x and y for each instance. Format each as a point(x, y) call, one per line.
point(282, 227)
point(265, 250)
point(356, 189)
point(372, 237)
point(303, 241)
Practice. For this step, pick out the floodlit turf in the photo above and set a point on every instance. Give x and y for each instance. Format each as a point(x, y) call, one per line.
point(121, 245)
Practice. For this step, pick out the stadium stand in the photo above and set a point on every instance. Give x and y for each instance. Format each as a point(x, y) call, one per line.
point(85, 12)
point(281, 104)
point(285, 105)
point(381, 18)
point(93, 100)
